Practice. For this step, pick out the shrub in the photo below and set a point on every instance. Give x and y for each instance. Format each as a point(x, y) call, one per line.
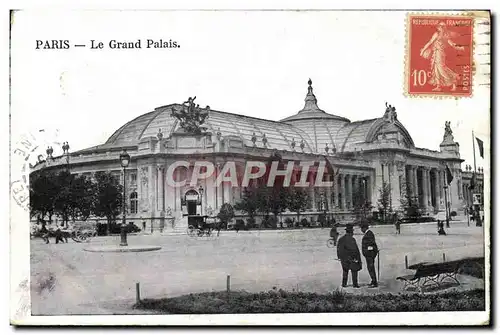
point(115, 228)
point(272, 222)
point(279, 301)
point(240, 224)
point(304, 223)
point(453, 214)
point(250, 223)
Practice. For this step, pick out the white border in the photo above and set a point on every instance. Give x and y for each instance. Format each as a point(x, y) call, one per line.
point(450, 318)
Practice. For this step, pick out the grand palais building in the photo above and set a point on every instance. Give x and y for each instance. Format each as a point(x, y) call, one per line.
point(365, 154)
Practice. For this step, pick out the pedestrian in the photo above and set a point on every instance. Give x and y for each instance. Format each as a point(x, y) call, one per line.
point(441, 228)
point(334, 234)
point(58, 235)
point(370, 251)
point(44, 232)
point(398, 224)
point(65, 232)
point(349, 256)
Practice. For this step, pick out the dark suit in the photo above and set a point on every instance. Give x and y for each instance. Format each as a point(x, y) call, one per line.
point(370, 250)
point(350, 258)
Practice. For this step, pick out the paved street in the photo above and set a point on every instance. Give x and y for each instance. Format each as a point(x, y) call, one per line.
point(68, 280)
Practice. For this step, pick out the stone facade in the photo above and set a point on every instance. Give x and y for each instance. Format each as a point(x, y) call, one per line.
point(365, 155)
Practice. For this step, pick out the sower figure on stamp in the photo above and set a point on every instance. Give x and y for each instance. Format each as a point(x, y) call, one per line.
point(435, 50)
point(370, 251)
point(349, 256)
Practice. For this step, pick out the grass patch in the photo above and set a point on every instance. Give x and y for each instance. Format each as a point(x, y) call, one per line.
point(280, 301)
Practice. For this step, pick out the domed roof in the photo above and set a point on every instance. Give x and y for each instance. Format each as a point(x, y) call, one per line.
point(279, 135)
point(321, 126)
point(311, 109)
point(311, 126)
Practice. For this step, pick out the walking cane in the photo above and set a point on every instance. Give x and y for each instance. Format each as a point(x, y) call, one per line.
point(378, 265)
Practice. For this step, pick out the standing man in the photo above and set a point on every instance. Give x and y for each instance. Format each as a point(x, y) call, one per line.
point(370, 250)
point(348, 254)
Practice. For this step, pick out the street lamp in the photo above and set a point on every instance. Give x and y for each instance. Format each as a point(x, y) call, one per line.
point(323, 207)
point(200, 190)
point(124, 160)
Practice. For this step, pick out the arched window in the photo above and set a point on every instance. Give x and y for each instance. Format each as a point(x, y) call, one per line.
point(133, 203)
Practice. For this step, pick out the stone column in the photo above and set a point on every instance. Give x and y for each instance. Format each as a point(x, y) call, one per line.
point(437, 193)
point(312, 191)
point(228, 194)
point(342, 191)
point(335, 193)
point(354, 188)
point(425, 194)
point(369, 187)
point(151, 189)
point(429, 188)
point(399, 175)
point(348, 191)
point(415, 183)
point(328, 191)
point(151, 195)
point(441, 189)
point(160, 188)
point(218, 188)
point(411, 180)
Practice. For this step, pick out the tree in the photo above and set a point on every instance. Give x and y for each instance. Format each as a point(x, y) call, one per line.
point(64, 204)
point(226, 214)
point(409, 202)
point(280, 201)
point(43, 193)
point(248, 203)
point(362, 207)
point(384, 199)
point(108, 196)
point(81, 198)
point(298, 202)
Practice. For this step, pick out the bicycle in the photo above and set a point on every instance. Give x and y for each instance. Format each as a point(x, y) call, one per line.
point(330, 243)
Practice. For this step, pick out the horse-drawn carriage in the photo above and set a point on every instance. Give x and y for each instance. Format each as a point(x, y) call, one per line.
point(199, 226)
point(78, 233)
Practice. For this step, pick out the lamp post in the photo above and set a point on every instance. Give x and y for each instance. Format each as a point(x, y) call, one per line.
point(124, 160)
point(323, 207)
point(200, 190)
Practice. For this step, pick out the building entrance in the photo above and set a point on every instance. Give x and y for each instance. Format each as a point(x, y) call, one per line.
point(191, 207)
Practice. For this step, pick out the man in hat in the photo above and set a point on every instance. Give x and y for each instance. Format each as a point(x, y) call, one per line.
point(350, 258)
point(370, 250)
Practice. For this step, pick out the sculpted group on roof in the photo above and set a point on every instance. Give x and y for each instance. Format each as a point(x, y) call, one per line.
point(191, 117)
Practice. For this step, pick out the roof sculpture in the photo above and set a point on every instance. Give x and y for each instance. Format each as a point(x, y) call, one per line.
point(311, 130)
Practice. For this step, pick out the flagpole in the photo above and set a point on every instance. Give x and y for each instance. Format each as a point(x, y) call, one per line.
point(474, 149)
point(474, 177)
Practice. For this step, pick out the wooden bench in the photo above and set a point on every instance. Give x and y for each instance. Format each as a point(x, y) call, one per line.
point(436, 273)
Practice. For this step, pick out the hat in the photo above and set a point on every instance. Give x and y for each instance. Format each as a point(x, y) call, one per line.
point(349, 229)
point(363, 225)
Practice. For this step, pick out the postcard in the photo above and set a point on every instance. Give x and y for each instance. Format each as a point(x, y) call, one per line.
point(250, 167)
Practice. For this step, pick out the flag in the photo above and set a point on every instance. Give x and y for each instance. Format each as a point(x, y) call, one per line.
point(481, 147)
point(329, 167)
point(472, 181)
point(449, 176)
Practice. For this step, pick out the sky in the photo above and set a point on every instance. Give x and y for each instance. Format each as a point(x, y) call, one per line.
point(254, 63)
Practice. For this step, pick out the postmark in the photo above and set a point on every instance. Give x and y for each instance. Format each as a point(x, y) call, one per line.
point(439, 55)
point(28, 151)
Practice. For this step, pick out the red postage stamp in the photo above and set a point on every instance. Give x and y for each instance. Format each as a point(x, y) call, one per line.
point(439, 55)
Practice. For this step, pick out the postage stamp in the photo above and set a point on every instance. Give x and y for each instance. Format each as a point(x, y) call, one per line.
point(439, 55)
point(165, 173)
